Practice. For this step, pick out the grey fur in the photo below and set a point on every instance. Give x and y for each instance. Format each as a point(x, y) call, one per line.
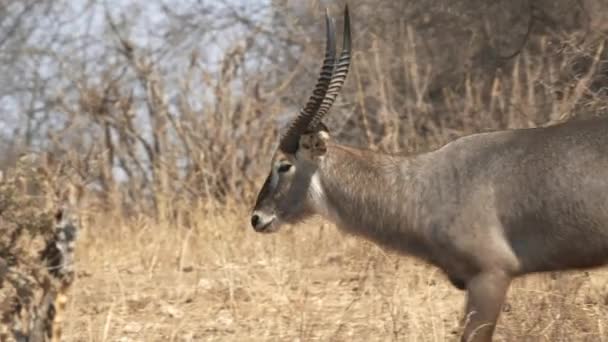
point(484, 208)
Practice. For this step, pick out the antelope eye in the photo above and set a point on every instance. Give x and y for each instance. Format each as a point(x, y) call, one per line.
point(284, 168)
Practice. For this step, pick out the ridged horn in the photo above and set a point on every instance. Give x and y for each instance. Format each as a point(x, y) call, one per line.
point(339, 75)
point(289, 141)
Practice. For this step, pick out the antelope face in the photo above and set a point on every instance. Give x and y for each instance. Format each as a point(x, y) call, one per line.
point(285, 195)
point(292, 192)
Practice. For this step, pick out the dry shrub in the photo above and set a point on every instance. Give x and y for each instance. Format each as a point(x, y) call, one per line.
point(36, 257)
point(154, 133)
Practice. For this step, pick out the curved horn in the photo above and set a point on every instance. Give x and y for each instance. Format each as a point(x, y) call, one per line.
point(339, 76)
point(289, 141)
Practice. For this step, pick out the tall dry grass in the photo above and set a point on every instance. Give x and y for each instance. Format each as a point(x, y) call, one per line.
point(140, 280)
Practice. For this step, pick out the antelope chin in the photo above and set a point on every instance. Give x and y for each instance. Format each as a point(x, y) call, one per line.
point(271, 226)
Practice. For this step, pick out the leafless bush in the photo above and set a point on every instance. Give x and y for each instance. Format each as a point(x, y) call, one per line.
point(36, 257)
point(184, 108)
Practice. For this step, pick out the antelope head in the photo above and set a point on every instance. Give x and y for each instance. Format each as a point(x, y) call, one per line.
point(291, 192)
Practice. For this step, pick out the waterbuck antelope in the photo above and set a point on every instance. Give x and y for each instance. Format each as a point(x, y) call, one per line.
point(484, 208)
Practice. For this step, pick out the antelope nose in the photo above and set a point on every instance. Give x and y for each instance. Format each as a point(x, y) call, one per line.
point(255, 219)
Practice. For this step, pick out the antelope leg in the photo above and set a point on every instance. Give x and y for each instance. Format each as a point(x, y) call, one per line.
point(485, 295)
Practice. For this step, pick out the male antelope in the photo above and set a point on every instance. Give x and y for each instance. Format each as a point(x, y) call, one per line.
point(484, 208)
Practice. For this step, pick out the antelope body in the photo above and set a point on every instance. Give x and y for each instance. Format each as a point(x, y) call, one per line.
point(484, 208)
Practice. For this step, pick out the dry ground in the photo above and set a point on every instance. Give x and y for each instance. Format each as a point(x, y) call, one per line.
point(220, 281)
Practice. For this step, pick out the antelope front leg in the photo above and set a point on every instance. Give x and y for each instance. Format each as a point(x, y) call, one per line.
point(485, 295)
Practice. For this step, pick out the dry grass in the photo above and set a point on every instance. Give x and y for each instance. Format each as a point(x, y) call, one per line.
point(219, 281)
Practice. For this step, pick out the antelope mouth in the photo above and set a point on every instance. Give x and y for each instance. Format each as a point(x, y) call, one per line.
point(263, 224)
point(266, 228)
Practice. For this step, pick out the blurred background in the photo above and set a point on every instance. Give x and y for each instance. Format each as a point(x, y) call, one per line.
point(184, 98)
point(165, 114)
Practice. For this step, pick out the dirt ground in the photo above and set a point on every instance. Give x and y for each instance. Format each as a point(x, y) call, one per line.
point(220, 281)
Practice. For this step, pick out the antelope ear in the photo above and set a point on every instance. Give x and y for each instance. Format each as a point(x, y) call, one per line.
point(313, 145)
